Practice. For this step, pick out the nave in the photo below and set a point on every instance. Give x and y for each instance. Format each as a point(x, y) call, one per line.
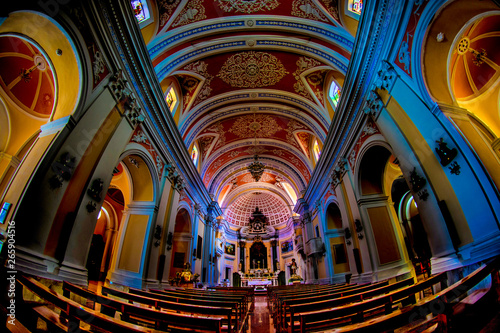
point(406, 304)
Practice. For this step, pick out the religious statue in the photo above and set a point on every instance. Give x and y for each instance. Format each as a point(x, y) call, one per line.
point(186, 276)
point(294, 278)
point(293, 267)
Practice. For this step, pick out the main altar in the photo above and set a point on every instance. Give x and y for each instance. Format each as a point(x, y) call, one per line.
point(262, 264)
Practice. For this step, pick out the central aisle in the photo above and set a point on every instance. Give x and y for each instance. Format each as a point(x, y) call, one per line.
point(260, 320)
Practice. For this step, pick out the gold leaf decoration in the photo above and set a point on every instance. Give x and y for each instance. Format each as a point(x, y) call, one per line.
point(252, 69)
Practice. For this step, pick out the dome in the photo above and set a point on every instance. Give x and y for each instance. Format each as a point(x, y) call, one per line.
point(476, 58)
point(273, 207)
point(26, 76)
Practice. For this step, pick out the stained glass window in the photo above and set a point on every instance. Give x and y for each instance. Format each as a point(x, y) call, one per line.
point(194, 155)
point(316, 149)
point(140, 9)
point(171, 99)
point(355, 6)
point(334, 94)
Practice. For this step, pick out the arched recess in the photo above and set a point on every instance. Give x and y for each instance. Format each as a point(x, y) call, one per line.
point(415, 236)
point(461, 72)
point(336, 238)
point(333, 217)
point(182, 240)
point(136, 178)
point(377, 230)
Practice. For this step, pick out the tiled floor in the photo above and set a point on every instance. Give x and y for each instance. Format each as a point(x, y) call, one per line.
point(260, 320)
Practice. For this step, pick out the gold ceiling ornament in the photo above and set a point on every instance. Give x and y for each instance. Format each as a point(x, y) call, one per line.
point(245, 6)
point(261, 125)
point(252, 70)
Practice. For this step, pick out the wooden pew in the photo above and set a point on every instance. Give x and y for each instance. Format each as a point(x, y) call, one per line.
point(242, 298)
point(236, 304)
point(276, 297)
point(356, 312)
point(360, 292)
point(160, 319)
point(444, 307)
point(158, 302)
point(75, 312)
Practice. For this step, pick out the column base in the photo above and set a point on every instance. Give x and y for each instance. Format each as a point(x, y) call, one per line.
point(444, 264)
point(126, 279)
point(37, 264)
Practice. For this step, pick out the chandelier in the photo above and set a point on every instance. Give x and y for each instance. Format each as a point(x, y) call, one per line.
point(256, 168)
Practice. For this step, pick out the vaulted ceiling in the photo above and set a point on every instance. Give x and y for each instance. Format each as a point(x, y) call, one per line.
point(251, 78)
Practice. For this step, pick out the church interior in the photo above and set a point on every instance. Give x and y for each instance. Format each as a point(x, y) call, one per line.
point(327, 165)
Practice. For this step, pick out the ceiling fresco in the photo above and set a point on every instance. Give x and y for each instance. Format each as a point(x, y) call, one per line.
point(252, 80)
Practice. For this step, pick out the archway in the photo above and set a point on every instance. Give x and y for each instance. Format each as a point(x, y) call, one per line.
point(333, 217)
point(414, 234)
point(182, 238)
point(378, 169)
point(132, 186)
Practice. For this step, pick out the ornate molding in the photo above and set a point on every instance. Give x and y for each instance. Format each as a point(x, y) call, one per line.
point(386, 76)
point(122, 93)
point(373, 105)
point(338, 173)
point(174, 177)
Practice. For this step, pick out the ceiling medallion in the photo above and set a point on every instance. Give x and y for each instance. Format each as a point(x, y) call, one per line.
point(252, 70)
point(263, 126)
point(247, 6)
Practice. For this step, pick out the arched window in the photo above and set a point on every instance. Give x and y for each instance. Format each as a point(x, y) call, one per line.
point(334, 94)
point(316, 149)
point(171, 99)
point(194, 155)
point(355, 6)
point(141, 10)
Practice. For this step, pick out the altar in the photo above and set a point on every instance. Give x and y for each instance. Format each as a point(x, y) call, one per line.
point(257, 282)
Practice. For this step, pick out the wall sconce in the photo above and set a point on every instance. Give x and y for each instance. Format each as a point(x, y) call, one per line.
point(359, 228)
point(445, 154)
point(347, 234)
point(169, 241)
point(157, 236)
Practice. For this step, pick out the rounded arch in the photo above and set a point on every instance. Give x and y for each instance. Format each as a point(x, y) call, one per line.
point(5, 126)
point(140, 169)
point(182, 221)
point(333, 216)
point(372, 164)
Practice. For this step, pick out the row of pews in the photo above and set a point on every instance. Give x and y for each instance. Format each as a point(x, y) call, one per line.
point(113, 310)
point(380, 306)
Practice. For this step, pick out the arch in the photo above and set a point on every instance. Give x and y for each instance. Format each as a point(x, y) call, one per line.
point(333, 216)
point(414, 234)
point(132, 160)
point(5, 125)
point(182, 239)
point(371, 170)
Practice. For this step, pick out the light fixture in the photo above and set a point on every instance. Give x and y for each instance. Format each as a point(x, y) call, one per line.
point(256, 168)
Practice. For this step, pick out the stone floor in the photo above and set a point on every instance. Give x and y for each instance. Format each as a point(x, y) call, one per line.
point(260, 320)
